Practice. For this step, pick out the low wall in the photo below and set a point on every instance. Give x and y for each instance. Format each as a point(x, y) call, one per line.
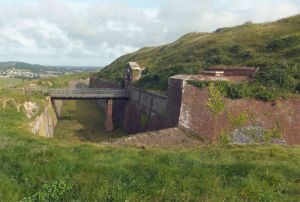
point(45, 123)
point(236, 71)
point(195, 115)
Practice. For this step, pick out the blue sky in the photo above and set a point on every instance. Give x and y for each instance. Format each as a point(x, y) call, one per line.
point(96, 32)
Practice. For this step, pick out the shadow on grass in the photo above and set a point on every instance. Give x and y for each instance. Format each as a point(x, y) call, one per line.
point(84, 120)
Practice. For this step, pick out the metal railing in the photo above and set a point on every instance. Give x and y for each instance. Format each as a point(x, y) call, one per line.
point(87, 93)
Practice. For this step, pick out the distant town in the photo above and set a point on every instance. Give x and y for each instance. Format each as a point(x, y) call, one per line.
point(27, 74)
point(28, 71)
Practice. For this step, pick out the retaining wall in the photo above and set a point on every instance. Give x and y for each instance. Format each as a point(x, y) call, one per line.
point(145, 111)
point(196, 117)
point(45, 123)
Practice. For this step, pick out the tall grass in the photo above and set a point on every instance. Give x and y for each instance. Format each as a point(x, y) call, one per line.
point(33, 168)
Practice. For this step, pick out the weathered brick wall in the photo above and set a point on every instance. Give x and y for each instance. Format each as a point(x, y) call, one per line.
point(195, 116)
point(145, 111)
point(236, 71)
point(174, 101)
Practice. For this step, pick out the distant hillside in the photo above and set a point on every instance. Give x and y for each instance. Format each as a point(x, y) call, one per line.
point(259, 45)
point(42, 68)
point(21, 65)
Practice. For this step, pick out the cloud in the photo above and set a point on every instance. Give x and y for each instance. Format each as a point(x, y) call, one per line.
point(97, 32)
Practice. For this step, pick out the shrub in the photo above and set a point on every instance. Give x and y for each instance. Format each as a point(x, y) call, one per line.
point(283, 42)
point(279, 76)
point(199, 84)
point(263, 93)
point(237, 91)
point(215, 101)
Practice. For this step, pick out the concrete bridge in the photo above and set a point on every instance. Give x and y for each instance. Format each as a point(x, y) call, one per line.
point(91, 94)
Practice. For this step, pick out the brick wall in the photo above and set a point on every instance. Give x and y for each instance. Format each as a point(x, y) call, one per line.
point(236, 71)
point(145, 111)
point(196, 117)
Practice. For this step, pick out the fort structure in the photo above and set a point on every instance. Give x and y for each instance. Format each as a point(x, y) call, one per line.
point(133, 73)
point(186, 106)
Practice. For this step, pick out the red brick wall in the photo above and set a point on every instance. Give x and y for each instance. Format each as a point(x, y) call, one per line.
point(196, 117)
point(232, 71)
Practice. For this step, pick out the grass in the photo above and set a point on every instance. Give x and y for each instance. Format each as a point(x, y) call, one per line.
point(68, 169)
point(83, 121)
point(61, 81)
point(257, 45)
point(65, 169)
point(5, 82)
point(98, 173)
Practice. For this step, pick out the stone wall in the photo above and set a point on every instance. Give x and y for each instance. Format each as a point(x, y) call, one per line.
point(45, 123)
point(174, 101)
point(145, 111)
point(196, 117)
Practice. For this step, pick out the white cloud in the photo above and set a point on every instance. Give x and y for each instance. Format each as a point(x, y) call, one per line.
point(95, 33)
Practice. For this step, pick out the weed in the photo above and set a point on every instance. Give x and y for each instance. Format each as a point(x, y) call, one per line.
point(239, 120)
point(224, 138)
point(50, 191)
point(215, 101)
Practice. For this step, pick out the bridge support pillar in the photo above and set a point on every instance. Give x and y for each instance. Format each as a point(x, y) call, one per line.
point(109, 127)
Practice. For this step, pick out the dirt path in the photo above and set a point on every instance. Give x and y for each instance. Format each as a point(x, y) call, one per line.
point(163, 138)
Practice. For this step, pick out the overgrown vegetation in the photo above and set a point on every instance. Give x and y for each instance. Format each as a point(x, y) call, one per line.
point(269, 84)
point(215, 101)
point(257, 45)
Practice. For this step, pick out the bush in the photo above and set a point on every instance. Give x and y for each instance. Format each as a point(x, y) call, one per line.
point(279, 76)
point(237, 91)
point(263, 93)
point(283, 42)
point(215, 102)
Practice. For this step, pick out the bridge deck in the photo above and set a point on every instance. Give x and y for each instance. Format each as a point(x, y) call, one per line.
point(90, 93)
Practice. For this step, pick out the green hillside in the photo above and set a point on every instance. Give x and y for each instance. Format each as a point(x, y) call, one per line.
point(258, 45)
point(21, 65)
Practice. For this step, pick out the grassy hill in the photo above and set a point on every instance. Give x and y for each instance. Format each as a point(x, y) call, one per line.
point(258, 45)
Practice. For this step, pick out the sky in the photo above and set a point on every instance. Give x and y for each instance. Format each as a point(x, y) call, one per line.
point(96, 32)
